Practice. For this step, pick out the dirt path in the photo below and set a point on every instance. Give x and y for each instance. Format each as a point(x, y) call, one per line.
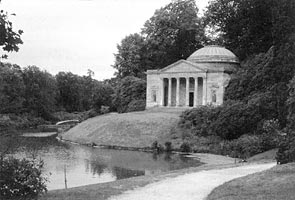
point(192, 186)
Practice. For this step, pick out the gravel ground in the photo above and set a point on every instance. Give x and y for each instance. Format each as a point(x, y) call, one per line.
point(191, 186)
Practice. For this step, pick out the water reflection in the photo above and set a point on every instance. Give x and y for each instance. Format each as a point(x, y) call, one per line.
point(122, 173)
point(86, 165)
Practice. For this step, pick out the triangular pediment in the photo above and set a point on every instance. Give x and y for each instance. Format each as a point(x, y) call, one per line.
point(182, 66)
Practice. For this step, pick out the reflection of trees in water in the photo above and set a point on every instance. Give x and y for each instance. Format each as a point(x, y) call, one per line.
point(122, 173)
point(94, 167)
point(155, 156)
point(8, 144)
point(167, 157)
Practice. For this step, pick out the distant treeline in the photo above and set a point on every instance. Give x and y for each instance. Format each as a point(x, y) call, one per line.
point(31, 90)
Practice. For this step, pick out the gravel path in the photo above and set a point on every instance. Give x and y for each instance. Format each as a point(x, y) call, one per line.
point(193, 186)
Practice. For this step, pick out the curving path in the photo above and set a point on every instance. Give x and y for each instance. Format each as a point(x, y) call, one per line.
point(193, 186)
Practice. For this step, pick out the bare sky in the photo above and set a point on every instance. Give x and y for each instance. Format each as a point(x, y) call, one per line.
point(76, 35)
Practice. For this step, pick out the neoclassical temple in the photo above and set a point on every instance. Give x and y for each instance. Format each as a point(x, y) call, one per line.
point(199, 80)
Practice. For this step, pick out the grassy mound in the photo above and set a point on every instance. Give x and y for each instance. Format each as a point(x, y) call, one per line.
point(276, 183)
point(136, 129)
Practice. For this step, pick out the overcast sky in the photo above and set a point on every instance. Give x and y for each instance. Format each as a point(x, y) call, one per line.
point(76, 35)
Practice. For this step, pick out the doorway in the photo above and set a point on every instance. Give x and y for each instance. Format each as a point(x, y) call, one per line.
point(191, 99)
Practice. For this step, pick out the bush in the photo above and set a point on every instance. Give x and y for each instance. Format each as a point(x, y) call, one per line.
point(243, 147)
point(236, 119)
point(199, 120)
point(136, 105)
point(104, 109)
point(229, 121)
point(185, 147)
point(168, 146)
point(21, 179)
point(156, 147)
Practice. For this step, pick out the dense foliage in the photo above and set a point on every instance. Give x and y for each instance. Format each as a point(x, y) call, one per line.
point(129, 90)
point(261, 33)
point(174, 32)
point(21, 179)
point(30, 96)
point(229, 121)
point(9, 38)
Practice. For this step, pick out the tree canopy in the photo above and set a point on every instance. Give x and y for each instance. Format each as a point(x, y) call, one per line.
point(9, 38)
point(174, 32)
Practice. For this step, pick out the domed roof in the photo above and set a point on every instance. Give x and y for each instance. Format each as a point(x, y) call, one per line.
point(213, 53)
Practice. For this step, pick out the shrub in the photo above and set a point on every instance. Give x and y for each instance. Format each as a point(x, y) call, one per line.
point(168, 146)
point(236, 119)
point(92, 113)
point(104, 109)
point(199, 120)
point(243, 147)
point(136, 105)
point(185, 147)
point(21, 179)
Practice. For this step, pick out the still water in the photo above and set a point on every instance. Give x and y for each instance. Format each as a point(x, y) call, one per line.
point(82, 165)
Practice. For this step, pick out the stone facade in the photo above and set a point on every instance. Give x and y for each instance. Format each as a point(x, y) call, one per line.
point(199, 80)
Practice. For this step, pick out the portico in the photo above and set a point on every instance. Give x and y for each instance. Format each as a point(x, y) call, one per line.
point(183, 91)
point(199, 80)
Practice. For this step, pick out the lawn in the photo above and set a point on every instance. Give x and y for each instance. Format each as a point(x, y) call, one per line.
point(277, 183)
point(135, 129)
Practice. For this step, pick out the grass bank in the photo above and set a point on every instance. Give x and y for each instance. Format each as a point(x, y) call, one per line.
point(136, 129)
point(276, 184)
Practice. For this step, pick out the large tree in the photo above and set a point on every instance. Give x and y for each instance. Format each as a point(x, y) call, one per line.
point(174, 32)
point(129, 61)
point(40, 92)
point(244, 25)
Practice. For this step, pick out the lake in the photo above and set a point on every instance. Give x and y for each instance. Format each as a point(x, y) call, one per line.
point(82, 165)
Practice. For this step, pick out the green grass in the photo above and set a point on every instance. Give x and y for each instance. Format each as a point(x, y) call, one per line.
point(277, 183)
point(136, 129)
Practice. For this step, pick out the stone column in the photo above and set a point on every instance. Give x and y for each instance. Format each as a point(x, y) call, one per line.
point(196, 92)
point(162, 91)
point(204, 91)
point(177, 91)
point(187, 92)
point(169, 91)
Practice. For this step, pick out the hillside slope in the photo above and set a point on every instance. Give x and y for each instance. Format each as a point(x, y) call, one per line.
point(136, 129)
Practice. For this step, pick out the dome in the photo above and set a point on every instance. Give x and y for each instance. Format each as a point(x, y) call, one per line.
point(213, 53)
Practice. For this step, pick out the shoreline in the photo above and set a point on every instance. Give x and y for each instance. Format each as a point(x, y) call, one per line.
point(102, 191)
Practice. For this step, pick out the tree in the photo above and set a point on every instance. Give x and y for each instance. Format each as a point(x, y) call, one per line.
point(129, 59)
point(69, 91)
point(245, 25)
point(174, 32)
point(102, 95)
point(40, 92)
point(9, 39)
point(11, 88)
point(128, 89)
